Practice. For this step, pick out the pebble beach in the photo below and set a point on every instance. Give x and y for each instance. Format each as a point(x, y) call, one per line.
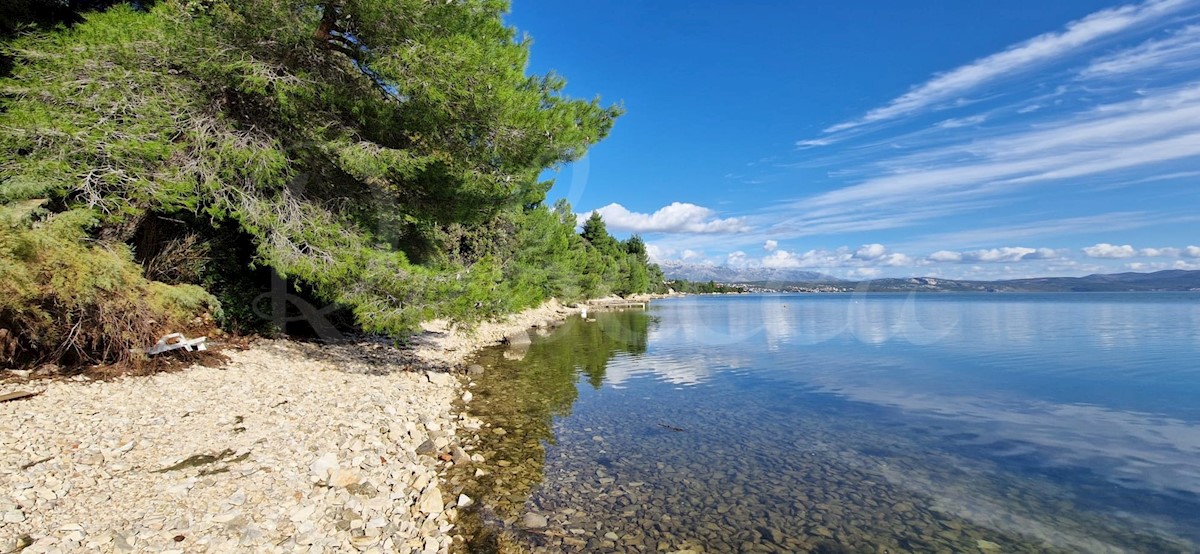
point(287, 447)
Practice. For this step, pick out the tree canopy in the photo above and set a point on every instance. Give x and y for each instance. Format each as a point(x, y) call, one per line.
point(382, 155)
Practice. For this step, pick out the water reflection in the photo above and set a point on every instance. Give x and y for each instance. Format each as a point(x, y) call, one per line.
point(527, 385)
point(870, 422)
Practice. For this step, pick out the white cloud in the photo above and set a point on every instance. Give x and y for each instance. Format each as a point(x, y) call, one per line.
point(1166, 252)
point(1105, 250)
point(946, 256)
point(1006, 254)
point(658, 253)
point(870, 252)
point(1179, 49)
point(1010, 254)
point(866, 272)
point(679, 217)
point(812, 143)
point(895, 259)
point(1192, 251)
point(955, 123)
point(688, 254)
point(1159, 266)
point(823, 260)
point(781, 259)
point(1018, 58)
point(770, 245)
point(1162, 126)
point(1112, 221)
point(817, 259)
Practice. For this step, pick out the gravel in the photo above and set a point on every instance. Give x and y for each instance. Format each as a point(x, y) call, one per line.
point(281, 450)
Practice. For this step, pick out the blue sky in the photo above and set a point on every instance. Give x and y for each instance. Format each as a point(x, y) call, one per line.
point(985, 139)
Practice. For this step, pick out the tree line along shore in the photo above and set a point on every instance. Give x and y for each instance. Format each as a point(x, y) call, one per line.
point(165, 163)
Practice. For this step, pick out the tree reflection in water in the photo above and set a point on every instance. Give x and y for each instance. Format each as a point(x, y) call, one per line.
point(524, 388)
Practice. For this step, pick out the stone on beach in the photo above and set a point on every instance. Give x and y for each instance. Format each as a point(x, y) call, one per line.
point(323, 465)
point(431, 501)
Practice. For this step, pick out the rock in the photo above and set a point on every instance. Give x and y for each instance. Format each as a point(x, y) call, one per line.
point(440, 379)
point(474, 370)
point(250, 534)
point(459, 455)
point(427, 448)
point(122, 543)
point(303, 514)
point(771, 534)
point(987, 546)
point(467, 396)
point(431, 500)
point(323, 465)
point(14, 516)
point(343, 477)
point(464, 501)
point(534, 521)
point(518, 339)
point(180, 489)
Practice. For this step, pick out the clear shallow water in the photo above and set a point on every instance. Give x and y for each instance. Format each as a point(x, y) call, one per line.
point(872, 423)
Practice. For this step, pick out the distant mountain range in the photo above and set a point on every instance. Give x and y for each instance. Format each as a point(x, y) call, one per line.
point(781, 279)
point(1169, 280)
point(726, 274)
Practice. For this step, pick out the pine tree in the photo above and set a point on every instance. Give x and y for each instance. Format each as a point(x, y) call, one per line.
point(382, 155)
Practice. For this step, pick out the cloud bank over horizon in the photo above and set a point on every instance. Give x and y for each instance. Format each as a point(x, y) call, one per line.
point(871, 260)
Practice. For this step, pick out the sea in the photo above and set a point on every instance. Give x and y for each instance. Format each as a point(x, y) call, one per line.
point(865, 422)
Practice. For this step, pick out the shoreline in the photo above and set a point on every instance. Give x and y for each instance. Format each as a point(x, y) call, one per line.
point(286, 446)
point(441, 343)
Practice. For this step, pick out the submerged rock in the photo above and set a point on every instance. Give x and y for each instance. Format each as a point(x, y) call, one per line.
point(534, 521)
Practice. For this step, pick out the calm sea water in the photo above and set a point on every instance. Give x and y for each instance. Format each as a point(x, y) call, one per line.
point(851, 423)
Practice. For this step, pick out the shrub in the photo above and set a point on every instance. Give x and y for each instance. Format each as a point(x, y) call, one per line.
point(69, 299)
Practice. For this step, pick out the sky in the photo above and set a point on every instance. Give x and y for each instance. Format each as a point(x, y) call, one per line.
point(988, 139)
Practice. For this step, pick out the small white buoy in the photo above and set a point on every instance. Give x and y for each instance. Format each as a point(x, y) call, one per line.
point(583, 312)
